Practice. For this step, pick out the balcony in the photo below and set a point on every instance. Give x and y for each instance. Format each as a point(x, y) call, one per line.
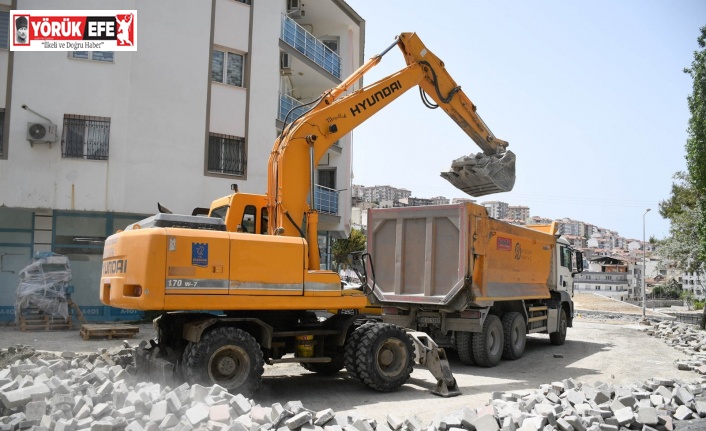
point(286, 104)
point(297, 37)
point(325, 200)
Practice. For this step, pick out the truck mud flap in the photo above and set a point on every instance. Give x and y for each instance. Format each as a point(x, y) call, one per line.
point(480, 174)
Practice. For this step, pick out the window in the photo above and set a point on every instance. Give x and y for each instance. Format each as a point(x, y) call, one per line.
point(4, 29)
point(247, 224)
point(85, 137)
point(264, 220)
point(2, 131)
point(227, 67)
point(327, 178)
point(226, 154)
point(566, 257)
point(106, 56)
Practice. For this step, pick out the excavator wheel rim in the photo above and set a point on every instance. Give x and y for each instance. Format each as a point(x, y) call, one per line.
point(228, 366)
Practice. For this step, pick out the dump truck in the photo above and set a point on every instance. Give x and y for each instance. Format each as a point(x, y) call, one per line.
point(472, 283)
point(242, 286)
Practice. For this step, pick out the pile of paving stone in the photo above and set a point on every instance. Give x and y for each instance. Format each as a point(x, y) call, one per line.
point(94, 393)
point(687, 338)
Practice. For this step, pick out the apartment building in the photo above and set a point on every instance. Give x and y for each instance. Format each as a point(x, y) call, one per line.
point(517, 212)
point(496, 209)
point(695, 282)
point(382, 193)
point(195, 109)
point(609, 277)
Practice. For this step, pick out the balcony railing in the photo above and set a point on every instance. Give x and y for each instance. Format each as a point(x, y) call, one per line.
point(286, 104)
point(326, 200)
point(296, 36)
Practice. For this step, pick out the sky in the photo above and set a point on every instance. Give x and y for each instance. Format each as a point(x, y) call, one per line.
point(591, 96)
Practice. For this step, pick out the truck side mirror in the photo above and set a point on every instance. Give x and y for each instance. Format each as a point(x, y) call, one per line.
point(579, 262)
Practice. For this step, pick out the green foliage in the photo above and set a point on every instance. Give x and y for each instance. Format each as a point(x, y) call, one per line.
point(696, 141)
point(688, 297)
point(342, 248)
point(699, 304)
point(671, 290)
point(686, 207)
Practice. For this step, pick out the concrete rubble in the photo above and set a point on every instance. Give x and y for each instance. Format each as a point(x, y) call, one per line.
point(96, 393)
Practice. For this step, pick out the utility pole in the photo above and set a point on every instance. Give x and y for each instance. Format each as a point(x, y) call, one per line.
point(644, 268)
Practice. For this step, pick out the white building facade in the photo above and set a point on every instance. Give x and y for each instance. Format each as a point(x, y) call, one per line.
point(195, 109)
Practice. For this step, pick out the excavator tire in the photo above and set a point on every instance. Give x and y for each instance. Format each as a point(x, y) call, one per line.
point(226, 356)
point(351, 350)
point(464, 347)
point(558, 338)
point(488, 344)
point(515, 332)
point(385, 357)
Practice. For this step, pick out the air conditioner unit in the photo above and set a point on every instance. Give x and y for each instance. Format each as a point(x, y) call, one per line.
point(41, 132)
point(285, 63)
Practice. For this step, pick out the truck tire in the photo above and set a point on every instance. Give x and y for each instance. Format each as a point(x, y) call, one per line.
point(557, 338)
point(351, 350)
point(488, 344)
point(385, 357)
point(464, 347)
point(229, 357)
point(515, 333)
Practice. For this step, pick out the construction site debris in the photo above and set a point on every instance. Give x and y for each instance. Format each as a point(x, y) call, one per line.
point(43, 290)
point(480, 174)
point(95, 392)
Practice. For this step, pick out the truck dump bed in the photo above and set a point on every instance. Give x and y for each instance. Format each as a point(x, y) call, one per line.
point(455, 256)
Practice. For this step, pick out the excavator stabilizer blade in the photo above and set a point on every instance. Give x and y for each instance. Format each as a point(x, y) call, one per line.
point(480, 174)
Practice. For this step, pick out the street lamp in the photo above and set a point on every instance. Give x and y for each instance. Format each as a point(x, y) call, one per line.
point(644, 267)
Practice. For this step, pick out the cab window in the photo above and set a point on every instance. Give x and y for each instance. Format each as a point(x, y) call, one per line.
point(566, 257)
point(219, 212)
point(248, 222)
point(263, 221)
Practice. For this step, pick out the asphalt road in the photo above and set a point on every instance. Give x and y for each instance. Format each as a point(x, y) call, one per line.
point(616, 354)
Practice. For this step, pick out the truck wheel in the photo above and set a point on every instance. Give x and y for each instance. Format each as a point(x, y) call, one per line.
point(515, 332)
point(385, 357)
point(229, 357)
point(464, 347)
point(557, 338)
point(488, 344)
point(351, 350)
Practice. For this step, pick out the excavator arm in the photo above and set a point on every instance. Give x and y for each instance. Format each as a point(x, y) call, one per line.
point(306, 139)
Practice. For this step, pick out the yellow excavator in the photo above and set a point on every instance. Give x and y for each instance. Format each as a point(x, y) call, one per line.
point(241, 287)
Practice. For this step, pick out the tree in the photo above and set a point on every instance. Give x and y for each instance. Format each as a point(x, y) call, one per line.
point(342, 248)
point(686, 207)
point(696, 141)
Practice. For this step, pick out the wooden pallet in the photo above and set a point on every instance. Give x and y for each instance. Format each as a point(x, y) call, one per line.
point(94, 330)
point(32, 319)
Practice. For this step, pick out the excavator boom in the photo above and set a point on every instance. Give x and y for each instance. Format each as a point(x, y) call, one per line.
point(306, 139)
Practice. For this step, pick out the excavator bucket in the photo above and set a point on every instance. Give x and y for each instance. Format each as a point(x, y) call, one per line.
point(480, 174)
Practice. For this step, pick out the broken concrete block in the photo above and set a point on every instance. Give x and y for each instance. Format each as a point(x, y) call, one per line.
point(624, 415)
point(323, 416)
point(298, 420)
point(196, 414)
point(683, 413)
point(647, 416)
point(219, 413)
point(486, 423)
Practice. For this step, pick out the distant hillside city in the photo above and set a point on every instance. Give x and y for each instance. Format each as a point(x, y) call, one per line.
point(605, 251)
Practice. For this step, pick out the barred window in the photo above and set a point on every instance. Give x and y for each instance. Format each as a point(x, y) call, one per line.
point(85, 137)
point(4, 29)
point(226, 154)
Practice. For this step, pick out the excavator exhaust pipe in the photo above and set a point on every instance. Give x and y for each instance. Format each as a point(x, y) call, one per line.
point(480, 174)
